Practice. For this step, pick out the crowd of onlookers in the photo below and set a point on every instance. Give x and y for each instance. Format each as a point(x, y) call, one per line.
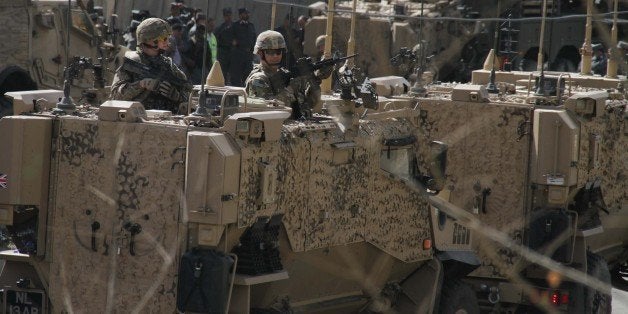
point(229, 41)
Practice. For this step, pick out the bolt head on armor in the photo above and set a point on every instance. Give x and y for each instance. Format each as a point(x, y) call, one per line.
point(152, 29)
point(269, 40)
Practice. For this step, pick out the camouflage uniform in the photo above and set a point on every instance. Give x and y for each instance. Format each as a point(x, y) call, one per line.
point(126, 84)
point(302, 92)
point(263, 83)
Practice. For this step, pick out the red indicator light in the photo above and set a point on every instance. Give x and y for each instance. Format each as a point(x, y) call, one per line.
point(556, 298)
point(564, 299)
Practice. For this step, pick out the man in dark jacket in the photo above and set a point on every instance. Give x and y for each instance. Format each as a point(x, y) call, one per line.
point(242, 48)
point(194, 55)
point(224, 38)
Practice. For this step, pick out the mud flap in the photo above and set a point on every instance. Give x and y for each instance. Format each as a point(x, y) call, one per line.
point(203, 281)
point(553, 229)
point(419, 290)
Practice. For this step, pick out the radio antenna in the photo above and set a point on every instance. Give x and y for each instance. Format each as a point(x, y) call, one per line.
point(491, 87)
point(417, 89)
point(66, 105)
point(611, 66)
point(201, 109)
point(540, 87)
point(331, 10)
point(587, 51)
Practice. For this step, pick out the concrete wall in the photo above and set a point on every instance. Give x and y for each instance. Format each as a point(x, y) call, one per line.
point(14, 37)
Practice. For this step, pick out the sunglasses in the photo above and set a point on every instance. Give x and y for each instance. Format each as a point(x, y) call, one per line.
point(163, 38)
point(273, 52)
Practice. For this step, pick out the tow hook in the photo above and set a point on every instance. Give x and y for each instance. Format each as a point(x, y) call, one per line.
point(492, 293)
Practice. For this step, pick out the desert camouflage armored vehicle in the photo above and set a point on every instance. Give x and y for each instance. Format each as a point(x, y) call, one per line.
point(34, 47)
point(455, 200)
point(132, 210)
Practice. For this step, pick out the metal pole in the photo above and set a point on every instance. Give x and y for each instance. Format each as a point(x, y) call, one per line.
point(587, 51)
point(273, 14)
point(351, 43)
point(67, 43)
point(491, 87)
point(611, 65)
point(539, 58)
point(326, 84)
point(201, 109)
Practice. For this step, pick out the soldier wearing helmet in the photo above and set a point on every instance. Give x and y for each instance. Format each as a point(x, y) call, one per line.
point(265, 78)
point(320, 46)
point(153, 93)
point(269, 81)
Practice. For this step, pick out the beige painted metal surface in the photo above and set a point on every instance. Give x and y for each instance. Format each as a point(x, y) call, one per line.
point(127, 199)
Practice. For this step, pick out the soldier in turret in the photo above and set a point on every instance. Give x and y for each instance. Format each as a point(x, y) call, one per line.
point(269, 81)
point(265, 80)
point(153, 93)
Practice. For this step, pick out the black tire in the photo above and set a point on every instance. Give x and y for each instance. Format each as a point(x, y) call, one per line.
point(458, 298)
point(597, 301)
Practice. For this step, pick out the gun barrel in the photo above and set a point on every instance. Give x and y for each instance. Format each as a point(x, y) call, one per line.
point(331, 61)
point(144, 70)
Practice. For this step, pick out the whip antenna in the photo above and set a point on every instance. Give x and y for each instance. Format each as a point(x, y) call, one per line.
point(201, 109)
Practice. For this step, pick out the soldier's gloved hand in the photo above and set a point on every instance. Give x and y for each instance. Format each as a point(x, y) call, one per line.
point(149, 84)
point(324, 72)
point(168, 91)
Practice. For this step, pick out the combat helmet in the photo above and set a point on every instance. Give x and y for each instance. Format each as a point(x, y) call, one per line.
point(152, 29)
point(269, 40)
point(320, 40)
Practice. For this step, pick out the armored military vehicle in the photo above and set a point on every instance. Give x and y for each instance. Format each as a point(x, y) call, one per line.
point(454, 200)
point(34, 47)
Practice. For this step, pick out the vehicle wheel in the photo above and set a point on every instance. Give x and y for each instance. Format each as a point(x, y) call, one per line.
point(597, 301)
point(458, 298)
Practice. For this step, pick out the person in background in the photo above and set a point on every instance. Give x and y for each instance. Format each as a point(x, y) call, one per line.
point(176, 46)
point(301, 21)
point(622, 48)
point(599, 60)
point(199, 19)
point(194, 55)
point(224, 39)
point(175, 10)
point(242, 48)
point(320, 47)
point(129, 36)
point(211, 40)
point(293, 43)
